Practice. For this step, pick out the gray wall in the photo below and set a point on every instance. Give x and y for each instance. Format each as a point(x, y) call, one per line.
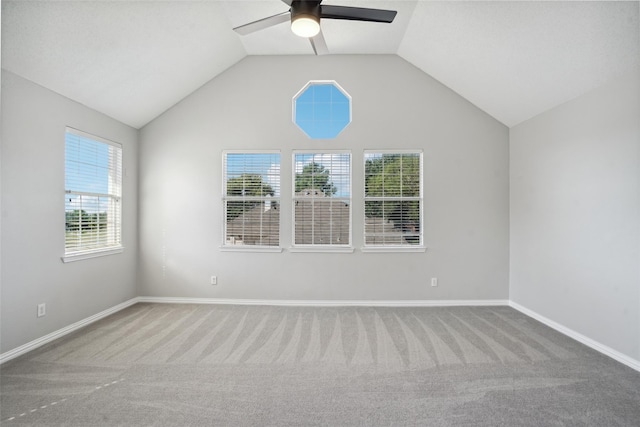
point(33, 133)
point(572, 213)
point(575, 215)
point(395, 105)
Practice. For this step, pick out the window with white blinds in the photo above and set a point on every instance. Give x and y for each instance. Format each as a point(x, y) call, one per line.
point(322, 199)
point(251, 199)
point(93, 192)
point(393, 199)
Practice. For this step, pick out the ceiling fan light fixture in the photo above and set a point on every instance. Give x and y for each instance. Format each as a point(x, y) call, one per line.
point(304, 25)
point(305, 18)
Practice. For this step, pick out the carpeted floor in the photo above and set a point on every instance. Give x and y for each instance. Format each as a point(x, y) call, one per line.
point(208, 365)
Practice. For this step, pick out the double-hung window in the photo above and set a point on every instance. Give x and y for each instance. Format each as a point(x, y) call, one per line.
point(93, 196)
point(251, 200)
point(393, 201)
point(322, 201)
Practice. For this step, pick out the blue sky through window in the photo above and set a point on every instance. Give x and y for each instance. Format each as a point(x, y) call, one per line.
point(338, 165)
point(267, 165)
point(86, 165)
point(322, 110)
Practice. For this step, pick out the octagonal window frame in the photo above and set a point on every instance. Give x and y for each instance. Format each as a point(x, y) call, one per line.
point(316, 133)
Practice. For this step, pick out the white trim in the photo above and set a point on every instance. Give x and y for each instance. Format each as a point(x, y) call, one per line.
point(32, 345)
point(389, 249)
point(86, 135)
point(230, 248)
point(393, 151)
point(250, 151)
point(316, 83)
point(91, 254)
point(601, 348)
point(303, 248)
point(325, 249)
point(419, 199)
point(250, 248)
point(325, 303)
point(113, 195)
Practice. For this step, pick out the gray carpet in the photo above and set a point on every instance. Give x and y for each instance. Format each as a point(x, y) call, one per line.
point(200, 365)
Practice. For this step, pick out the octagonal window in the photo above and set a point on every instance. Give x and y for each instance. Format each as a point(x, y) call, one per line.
point(322, 109)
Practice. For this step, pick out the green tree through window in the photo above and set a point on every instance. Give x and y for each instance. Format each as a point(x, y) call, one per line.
point(322, 199)
point(392, 198)
point(314, 175)
point(246, 185)
point(251, 195)
point(93, 190)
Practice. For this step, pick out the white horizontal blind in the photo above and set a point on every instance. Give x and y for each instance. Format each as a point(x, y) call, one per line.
point(393, 198)
point(322, 199)
point(93, 191)
point(251, 198)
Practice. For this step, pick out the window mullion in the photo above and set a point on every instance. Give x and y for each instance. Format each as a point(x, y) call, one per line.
point(93, 189)
point(393, 211)
point(321, 200)
point(251, 190)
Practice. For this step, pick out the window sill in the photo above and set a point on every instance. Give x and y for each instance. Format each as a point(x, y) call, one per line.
point(249, 248)
point(389, 249)
point(91, 254)
point(322, 249)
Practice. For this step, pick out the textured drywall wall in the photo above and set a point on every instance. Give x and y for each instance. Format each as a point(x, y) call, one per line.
point(33, 143)
point(575, 215)
point(395, 105)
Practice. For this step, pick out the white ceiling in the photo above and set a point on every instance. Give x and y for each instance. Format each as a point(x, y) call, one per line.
point(132, 60)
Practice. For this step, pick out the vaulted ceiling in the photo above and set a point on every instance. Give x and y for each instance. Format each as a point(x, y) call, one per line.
point(132, 60)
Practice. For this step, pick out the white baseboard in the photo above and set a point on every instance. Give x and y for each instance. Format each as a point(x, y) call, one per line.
point(25, 348)
point(326, 303)
point(616, 355)
point(32, 345)
point(607, 351)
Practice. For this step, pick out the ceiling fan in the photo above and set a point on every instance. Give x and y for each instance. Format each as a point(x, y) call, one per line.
point(305, 20)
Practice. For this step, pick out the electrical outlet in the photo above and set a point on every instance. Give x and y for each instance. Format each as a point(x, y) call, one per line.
point(42, 309)
point(434, 281)
point(214, 280)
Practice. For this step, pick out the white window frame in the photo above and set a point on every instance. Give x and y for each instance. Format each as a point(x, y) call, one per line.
point(319, 83)
point(225, 247)
point(394, 248)
point(114, 196)
point(328, 248)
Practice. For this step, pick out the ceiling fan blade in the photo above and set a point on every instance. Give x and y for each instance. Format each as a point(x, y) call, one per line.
point(261, 24)
point(319, 44)
point(357, 13)
point(287, 2)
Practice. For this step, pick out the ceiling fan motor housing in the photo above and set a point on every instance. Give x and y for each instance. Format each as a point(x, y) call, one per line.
point(305, 9)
